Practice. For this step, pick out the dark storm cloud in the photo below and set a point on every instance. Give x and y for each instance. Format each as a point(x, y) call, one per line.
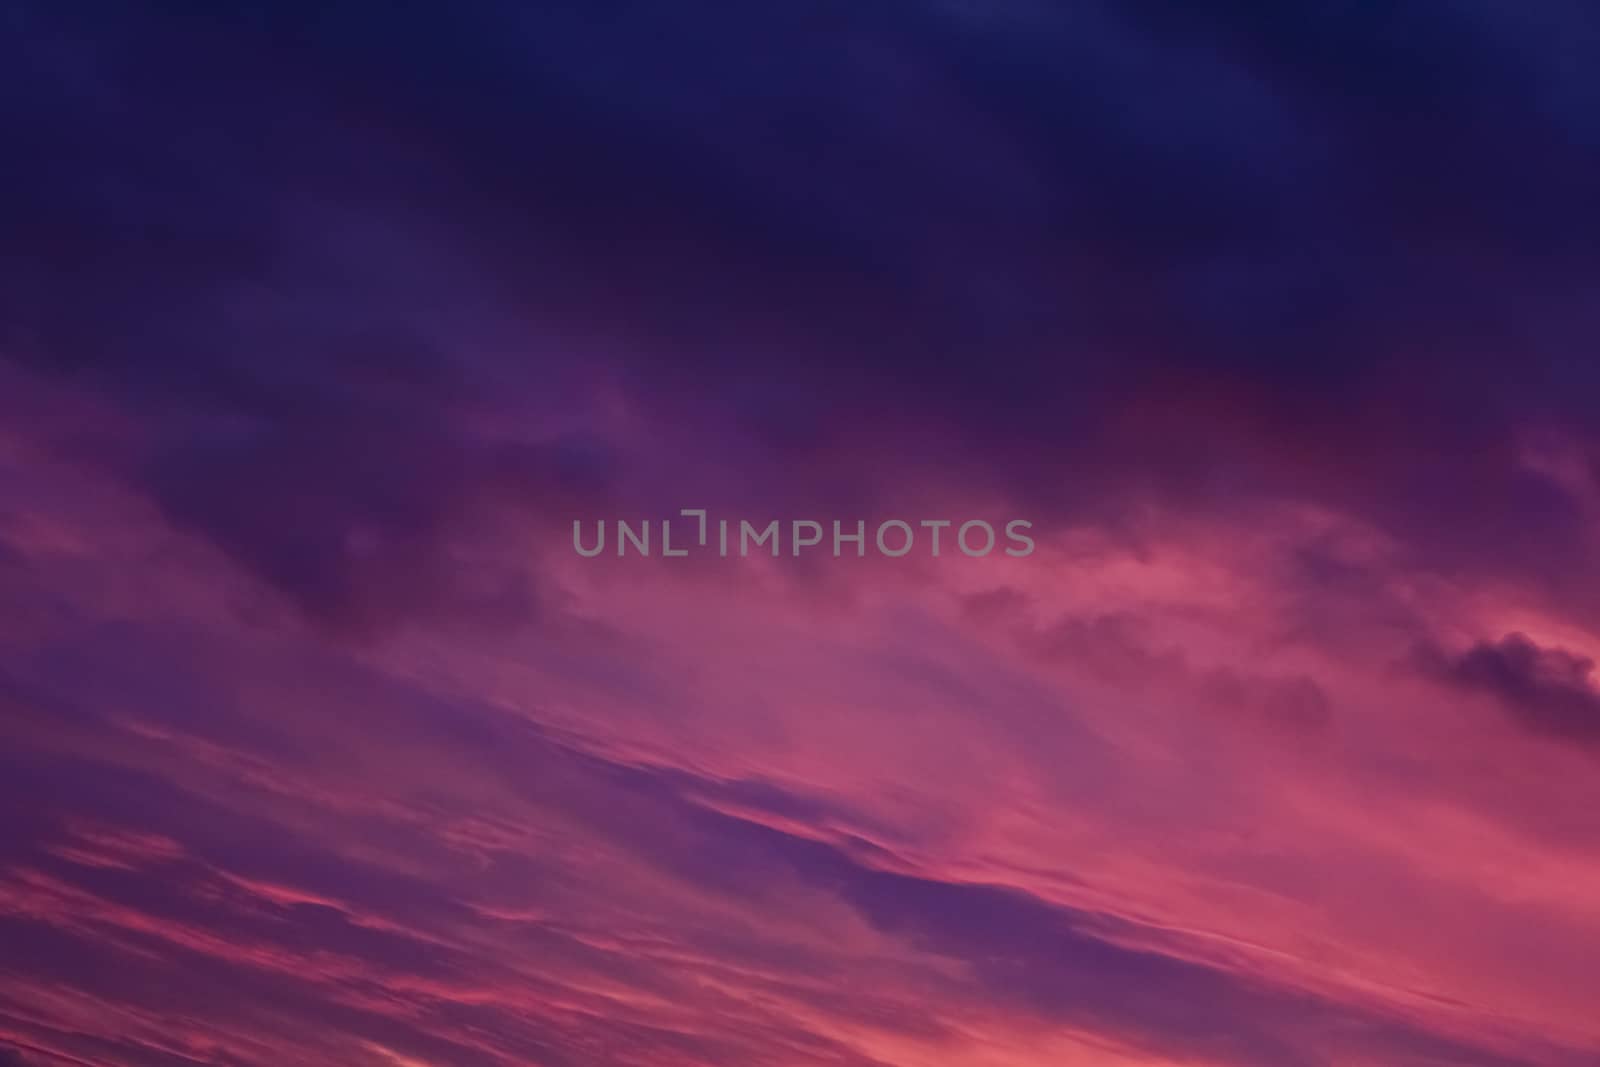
point(1548, 691)
point(198, 238)
point(1329, 252)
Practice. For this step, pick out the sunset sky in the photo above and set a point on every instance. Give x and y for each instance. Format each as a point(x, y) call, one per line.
point(321, 323)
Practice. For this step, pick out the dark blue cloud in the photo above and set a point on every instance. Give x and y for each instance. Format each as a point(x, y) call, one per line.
point(1548, 691)
point(1346, 242)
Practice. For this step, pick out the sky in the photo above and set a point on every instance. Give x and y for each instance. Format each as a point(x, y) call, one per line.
point(321, 325)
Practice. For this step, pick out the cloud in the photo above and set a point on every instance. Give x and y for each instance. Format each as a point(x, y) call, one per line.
point(1253, 309)
point(1118, 251)
point(1548, 691)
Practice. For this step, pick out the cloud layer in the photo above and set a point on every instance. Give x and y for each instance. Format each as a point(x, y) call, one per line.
point(319, 327)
